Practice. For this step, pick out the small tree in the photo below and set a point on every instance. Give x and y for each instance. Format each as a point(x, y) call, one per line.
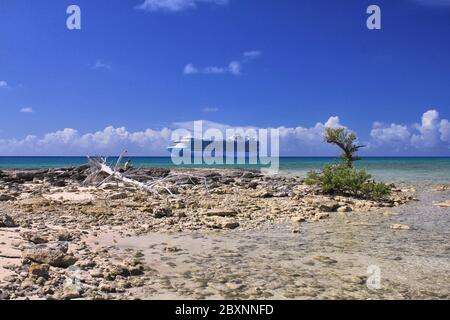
point(346, 141)
point(343, 179)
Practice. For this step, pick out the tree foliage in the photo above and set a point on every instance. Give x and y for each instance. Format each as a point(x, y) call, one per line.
point(346, 141)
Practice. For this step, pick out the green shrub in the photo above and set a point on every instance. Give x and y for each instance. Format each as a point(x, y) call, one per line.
point(340, 179)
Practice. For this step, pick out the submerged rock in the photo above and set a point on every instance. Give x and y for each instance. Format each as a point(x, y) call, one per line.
point(445, 204)
point(398, 226)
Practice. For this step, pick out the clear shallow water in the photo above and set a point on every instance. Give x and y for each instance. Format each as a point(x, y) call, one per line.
point(329, 259)
point(408, 170)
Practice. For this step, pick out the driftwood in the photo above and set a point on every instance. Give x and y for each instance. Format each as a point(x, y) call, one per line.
point(100, 167)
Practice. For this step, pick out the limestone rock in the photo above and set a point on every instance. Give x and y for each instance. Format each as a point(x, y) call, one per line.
point(71, 292)
point(298, 219)
point(51, 254)
point(34, 237)
point(345, 209)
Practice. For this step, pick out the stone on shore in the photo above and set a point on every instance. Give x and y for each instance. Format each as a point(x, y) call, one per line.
point(328, 206)
point(5, 197)
point(39, 270)
point(298, 219)
point(221, 213)
point(162, 212)
point(54, 255)
point(7, 222)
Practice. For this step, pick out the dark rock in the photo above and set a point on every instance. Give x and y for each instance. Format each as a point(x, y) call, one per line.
point(25, 175)
point(4, 295)
point(231, 225)
point(162, 212)
point(64, 236)
point(329, 206)
point(39, 270)
point(5, 197)
point(59, 183)
point(7, 222)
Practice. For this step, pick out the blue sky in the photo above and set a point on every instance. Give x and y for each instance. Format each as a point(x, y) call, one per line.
point(138, 67)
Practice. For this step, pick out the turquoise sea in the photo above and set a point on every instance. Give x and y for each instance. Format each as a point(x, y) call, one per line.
point(411, 169)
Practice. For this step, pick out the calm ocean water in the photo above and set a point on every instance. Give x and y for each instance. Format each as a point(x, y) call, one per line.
point(424, 170)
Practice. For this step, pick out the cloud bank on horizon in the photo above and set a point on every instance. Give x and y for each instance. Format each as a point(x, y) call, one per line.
point(432, 133)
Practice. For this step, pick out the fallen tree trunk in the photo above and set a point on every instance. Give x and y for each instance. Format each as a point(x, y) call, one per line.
point(99, 167)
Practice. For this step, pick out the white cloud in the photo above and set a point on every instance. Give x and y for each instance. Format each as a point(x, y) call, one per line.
point(445, 130)
point(109, 141)
point(432, 132)
point(312, 134)
point(210, 109)
point(428, 135)
point(233, 68)
point(214, 70)
point(249, 55)
point(393, 133)
point(3, 84)
point(26, 110)
point(99, 64)
point(190, 69)
point(175, 5)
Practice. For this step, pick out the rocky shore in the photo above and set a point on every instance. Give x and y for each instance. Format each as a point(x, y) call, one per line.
point(50, 225)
